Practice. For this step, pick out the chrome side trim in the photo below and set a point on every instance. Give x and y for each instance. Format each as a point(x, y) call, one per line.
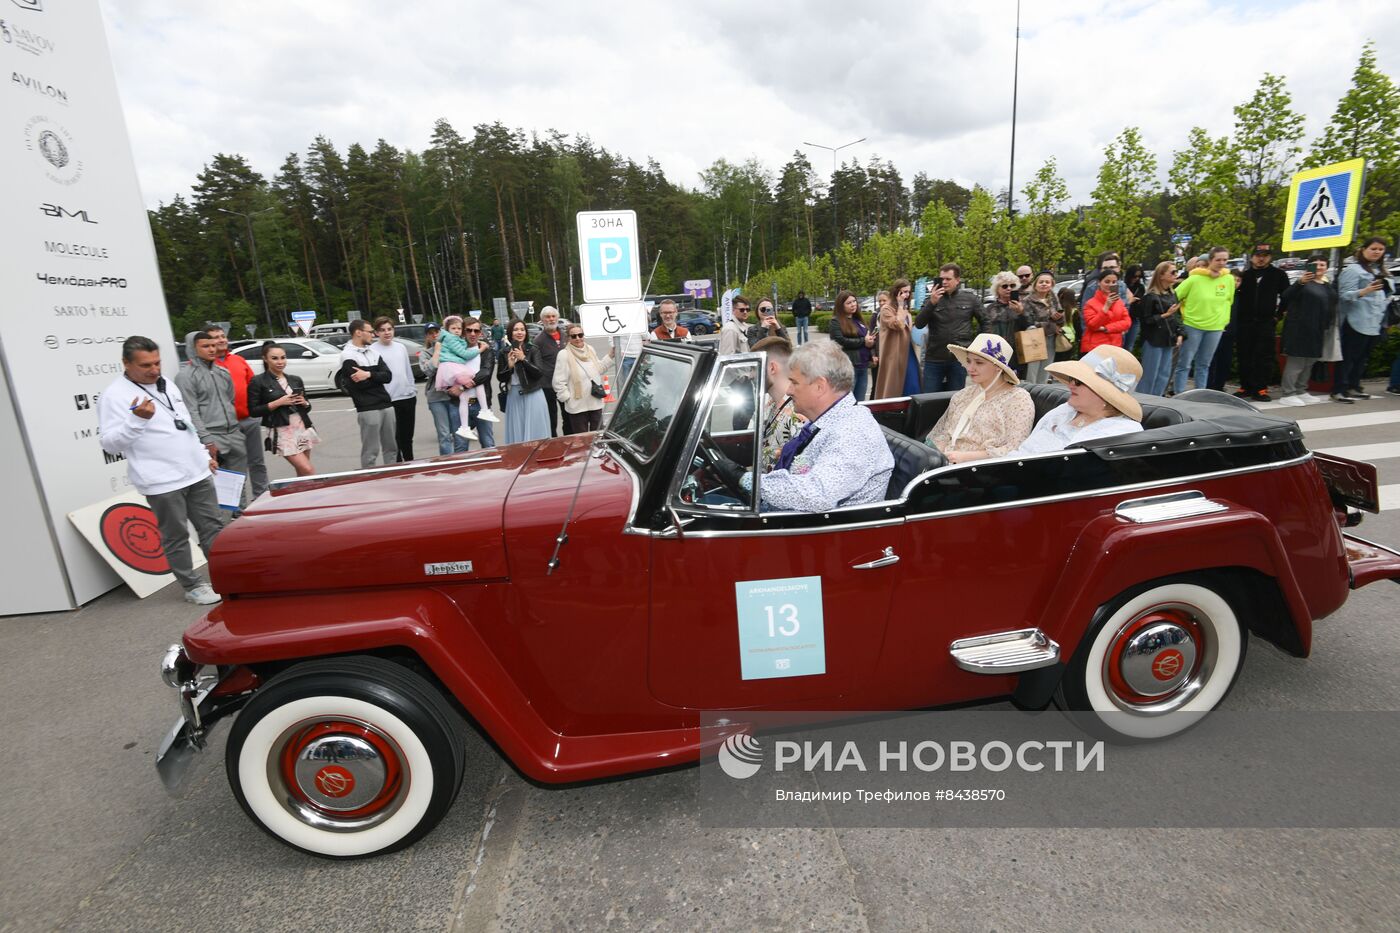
point(1164, 508)
point(392, 468)
point(1005, 652)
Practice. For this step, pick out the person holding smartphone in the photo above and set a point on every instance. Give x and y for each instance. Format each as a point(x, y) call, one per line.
point(767, 324)
point(1309, 312)
point(1363, 289)
point(279, 399)
point(522, 373)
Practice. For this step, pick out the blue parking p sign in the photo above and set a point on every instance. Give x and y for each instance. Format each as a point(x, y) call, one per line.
point(608, 256)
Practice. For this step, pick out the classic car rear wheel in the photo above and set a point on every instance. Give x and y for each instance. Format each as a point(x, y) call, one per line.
point(1161, 657)
point(346, 757)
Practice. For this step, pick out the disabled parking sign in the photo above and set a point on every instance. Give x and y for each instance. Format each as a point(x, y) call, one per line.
point(1323, 204)
point(608, 256)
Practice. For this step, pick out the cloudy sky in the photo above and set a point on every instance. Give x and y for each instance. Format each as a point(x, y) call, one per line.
point(927, 83)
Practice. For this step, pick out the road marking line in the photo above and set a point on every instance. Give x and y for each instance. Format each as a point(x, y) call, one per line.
point(1390, 497)
point(1338, 422)
point(1367, 452)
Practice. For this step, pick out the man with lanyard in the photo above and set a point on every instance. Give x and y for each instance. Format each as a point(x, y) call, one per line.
point(143, 417)
point(839, 457)
point(242, 374)
point(669, 329)
point(208, 389)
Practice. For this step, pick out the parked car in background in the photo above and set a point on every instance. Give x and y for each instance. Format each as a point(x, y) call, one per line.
point(415, 357)
point(698, 322)
point(314, 360)
point(414, 332)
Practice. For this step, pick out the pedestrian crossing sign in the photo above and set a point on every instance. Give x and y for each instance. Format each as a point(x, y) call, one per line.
point(1323, 204)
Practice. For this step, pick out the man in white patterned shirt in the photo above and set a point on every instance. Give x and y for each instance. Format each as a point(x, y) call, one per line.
point(840, 457)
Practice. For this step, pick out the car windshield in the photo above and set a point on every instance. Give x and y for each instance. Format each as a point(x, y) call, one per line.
point(648, 406)
point(320, 346)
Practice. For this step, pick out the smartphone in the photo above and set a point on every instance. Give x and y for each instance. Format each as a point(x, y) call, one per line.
point(1015, 294)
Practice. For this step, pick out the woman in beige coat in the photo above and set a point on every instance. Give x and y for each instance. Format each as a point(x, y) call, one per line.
point(899, 369)
point(576, 371)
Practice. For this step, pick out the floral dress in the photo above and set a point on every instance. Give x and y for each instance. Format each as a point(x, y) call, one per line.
point(778, 430)
point(295, 437)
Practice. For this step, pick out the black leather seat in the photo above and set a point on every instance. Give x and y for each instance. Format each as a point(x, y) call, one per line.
point(911, 458)
point(1154, 414)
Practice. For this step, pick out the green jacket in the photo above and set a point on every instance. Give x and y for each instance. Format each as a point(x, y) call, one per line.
point(1205, 301)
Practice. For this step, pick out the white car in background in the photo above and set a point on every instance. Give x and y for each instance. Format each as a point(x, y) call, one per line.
point(315, 361)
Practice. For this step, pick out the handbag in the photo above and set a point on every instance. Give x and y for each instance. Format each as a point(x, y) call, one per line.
point(597, 391)
point(1030, 345)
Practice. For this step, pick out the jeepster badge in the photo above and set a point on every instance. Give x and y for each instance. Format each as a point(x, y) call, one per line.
point(447, 568)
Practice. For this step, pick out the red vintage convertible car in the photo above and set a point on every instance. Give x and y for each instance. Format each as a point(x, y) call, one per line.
point(548, 593)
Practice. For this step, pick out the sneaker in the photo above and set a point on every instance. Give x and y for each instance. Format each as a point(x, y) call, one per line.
point(202, 595)
point(1293, 401)
point(1241, 394)
point(467, 433)
point(487, 414)
point(1358, 395)
point(1392, 390)
point(1313, 399)
point(1261, 396)
point(1339, 397)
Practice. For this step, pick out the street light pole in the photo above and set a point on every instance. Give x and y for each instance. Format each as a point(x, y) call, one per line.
point(257, 269)
point(1015, 85)
point(835, 217)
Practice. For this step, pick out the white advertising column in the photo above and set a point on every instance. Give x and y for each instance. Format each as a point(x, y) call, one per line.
point(78, 275)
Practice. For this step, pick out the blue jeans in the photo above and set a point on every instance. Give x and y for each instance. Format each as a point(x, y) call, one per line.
point(1130, 336)
point(485, 430)
point(1395, 374)
point(801, 330)
point(1156, 369)
point(944, 376)
point(1199, 349)
point(627, 363)
point(447, 421)
point(862, 383)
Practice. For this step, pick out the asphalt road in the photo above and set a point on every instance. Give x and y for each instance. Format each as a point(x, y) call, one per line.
point(91, 841)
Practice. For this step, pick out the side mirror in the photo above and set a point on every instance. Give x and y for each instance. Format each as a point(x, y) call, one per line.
point(308, 355)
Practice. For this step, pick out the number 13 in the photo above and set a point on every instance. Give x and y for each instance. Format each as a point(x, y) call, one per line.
point(789, 612)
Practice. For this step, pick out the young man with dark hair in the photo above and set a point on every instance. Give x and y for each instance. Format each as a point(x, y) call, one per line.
point(403, 392)
point(242, 374)
point(208, 390)
point(144, 418)
point(364, 377)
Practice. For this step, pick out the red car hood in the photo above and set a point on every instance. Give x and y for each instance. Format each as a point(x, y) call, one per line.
point(410, 525)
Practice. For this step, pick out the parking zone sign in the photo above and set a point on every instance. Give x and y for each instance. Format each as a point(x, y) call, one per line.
point(607, 242)
point(1323, 204)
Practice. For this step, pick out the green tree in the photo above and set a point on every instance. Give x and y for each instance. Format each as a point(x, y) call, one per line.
point(940, 239)
point(984, 239)
point(1118, 220)
point(1038, 234)
point(1267, 131)
point(1208, 205)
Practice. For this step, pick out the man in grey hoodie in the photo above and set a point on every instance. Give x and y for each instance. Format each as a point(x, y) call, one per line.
point(208, 391)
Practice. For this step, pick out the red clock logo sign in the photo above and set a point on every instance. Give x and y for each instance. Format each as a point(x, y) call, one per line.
point(132, 535)
point(1168, 664)
point(334, 781)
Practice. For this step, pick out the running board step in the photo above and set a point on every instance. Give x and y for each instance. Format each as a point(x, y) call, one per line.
point(1005, 652)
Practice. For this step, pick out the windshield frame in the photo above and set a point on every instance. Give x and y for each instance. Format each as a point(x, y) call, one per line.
point(635, 453)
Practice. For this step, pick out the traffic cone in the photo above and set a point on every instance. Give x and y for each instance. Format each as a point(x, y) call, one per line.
point(607, 389)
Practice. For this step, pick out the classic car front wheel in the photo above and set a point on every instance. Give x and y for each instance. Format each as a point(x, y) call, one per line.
point(1161, 657)
point(346, 757)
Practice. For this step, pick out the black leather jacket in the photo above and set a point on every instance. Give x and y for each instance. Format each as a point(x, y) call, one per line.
point(950, 321)
point(264, 389)
point(532, 375)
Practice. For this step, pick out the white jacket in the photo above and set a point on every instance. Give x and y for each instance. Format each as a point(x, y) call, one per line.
point(159, 458)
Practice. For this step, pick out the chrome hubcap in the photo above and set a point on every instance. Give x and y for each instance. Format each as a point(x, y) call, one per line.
point(1160, 659)
point(342, 775)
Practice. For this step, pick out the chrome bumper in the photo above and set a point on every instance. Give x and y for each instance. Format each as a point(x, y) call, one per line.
point(198, 712)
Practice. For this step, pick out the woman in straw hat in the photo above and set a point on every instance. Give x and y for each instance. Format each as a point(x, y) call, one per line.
point(991, 416)
point(1101, 402)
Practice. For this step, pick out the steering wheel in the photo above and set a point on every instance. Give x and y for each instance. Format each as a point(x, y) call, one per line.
point(710, 453)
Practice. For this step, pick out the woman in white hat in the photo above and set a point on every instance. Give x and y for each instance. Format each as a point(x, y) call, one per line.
point(992, 415)
point(1101, 402)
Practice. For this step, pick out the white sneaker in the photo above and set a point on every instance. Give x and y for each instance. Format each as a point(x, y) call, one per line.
point(1314, 399)
point(202, 595)
point(466, 432)
point(487, 414)
point(1293, 401)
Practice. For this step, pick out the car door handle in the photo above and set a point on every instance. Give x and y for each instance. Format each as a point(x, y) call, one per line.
point(889, 557)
